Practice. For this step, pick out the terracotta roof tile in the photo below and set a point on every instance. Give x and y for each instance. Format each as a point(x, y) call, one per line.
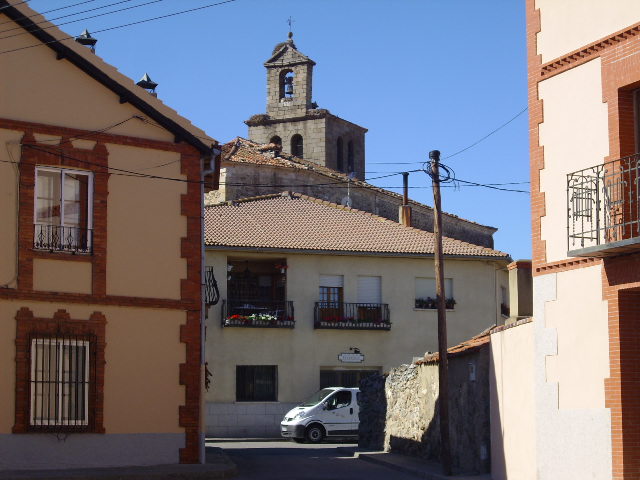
point(241, 150)
point(300, 222)
point(465, 347)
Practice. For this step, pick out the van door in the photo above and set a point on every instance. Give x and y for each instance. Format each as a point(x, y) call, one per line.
point(338, 416)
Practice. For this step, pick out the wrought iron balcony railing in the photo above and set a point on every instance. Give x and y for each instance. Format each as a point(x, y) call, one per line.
point(352, 316)
point(211, 293)
point(57, 238)
point(603, 208)
point(248, 313)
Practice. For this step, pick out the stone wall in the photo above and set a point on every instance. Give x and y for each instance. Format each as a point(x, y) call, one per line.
point(407, 418)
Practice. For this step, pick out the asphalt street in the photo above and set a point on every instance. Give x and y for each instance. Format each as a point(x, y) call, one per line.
point(280, 460)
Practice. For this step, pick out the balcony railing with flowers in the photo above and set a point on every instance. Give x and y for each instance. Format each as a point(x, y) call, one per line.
point(603, 208)
point(253, 314)
point(352, 316)
point(432, 303)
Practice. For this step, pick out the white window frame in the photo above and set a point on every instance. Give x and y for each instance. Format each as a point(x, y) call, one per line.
point(59, 342)
point(63, 172)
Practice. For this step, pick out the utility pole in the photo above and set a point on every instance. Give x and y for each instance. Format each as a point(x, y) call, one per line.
point(443, 368)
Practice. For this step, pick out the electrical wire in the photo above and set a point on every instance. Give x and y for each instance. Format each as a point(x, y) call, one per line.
point(26, 32)
point(488, 134)
point(46, 11)
point(19, 27)
point(160, 17)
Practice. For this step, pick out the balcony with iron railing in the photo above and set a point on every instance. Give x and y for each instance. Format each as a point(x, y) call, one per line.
point(351, 316)
point(58, 238)
point(603, 209)
point(257, 314)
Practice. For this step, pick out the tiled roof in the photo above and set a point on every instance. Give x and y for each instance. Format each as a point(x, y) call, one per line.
point(298, 222)
point(468, 346)
point(241, 150)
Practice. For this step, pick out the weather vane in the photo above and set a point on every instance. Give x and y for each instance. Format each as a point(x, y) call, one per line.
point(290, 21)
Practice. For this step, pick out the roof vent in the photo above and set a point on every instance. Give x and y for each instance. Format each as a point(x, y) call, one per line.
point(148, 84)
point(87, 40)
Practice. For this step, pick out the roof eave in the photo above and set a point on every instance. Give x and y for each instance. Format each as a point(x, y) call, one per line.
point(352, 253)
point(125, 95)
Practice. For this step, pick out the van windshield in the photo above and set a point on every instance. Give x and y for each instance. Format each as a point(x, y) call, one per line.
point(318, 397)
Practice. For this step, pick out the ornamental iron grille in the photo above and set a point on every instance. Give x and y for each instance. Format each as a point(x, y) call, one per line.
point(62, 372)
point(57, 238)
point(352, 316)
point(603, 204)
point(211, 293)
point(256, 314)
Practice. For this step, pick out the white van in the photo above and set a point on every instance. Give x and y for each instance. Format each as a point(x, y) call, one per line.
point(331, 412)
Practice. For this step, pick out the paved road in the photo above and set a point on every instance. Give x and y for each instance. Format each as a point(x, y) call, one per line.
point(283, 460)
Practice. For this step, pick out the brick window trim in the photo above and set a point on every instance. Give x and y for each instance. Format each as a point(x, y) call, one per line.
point(64, 155)
point(27, 326)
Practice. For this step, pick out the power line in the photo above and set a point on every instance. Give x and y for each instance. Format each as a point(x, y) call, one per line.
point(488, 134)
point(46, 11)
point(160, 17)
point(79, 19)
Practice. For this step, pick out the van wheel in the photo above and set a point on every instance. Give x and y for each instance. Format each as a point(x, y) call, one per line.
point(315, 433)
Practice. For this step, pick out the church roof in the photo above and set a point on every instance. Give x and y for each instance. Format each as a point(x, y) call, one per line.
point(241, 150)
point(286, 53)
point(295, 222)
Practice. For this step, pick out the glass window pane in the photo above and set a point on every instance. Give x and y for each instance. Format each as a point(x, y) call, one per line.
point(76, 200)
point(48, 197)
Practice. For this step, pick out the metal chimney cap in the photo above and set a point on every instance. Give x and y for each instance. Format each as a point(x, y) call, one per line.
point(85, 38)
point(146, 82)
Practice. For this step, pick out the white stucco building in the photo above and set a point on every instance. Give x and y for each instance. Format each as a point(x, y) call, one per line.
point(303, 281)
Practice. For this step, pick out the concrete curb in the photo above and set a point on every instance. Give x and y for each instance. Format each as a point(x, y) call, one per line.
point(410, 465)
point(218, 465)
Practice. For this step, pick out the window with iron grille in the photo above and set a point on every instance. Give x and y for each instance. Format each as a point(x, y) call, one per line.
point(60, 382)
point(62, 210)
point(256, 383)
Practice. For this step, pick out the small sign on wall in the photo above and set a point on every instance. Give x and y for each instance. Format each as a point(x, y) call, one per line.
point(351, 357)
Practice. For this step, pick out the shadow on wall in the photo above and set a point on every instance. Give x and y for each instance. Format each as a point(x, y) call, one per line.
point(373, 412)
point(399, 413)
point(498, 460)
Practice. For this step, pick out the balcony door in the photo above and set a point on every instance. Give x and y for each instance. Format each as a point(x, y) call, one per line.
point(369, 298)
point(331, 297)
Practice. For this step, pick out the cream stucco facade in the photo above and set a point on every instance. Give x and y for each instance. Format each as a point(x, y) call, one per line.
point(574, 136)
point(302, 352)
point(115, 280)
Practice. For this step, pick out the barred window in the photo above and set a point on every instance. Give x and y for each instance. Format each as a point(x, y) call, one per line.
point(256, 383)
point(60, 382)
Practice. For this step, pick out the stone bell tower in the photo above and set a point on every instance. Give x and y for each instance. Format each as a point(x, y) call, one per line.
point(294, 120)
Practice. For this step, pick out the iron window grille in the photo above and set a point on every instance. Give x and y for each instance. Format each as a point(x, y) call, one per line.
point(61, 382)
point(56, 238)
point(256, 383)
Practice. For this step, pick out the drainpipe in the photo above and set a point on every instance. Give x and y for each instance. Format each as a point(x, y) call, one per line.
point(213, 160)
point(404, 213)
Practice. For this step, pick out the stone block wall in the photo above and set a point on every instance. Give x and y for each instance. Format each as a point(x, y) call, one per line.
point(312, 131)
point(409, 424)
point(337, 127)
point(245, 419)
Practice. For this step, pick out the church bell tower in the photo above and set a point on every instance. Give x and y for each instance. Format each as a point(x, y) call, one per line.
point(294, 120)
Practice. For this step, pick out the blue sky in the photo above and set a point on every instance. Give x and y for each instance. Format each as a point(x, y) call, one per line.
point(419, 74)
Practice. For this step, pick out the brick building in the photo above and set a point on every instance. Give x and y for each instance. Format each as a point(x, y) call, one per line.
point(579, 358)
point(100, 264)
